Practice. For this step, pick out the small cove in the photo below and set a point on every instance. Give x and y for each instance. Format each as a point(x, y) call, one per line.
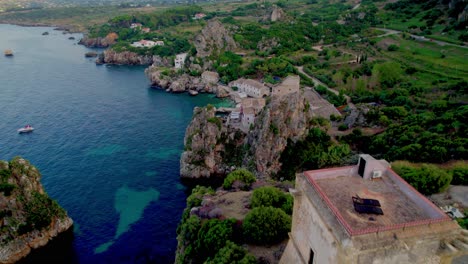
point(107, 145)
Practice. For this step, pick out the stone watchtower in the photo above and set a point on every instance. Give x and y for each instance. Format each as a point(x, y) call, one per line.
point(368, 214)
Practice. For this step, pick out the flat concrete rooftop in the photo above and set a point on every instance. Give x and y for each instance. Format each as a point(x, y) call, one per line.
point(401, 204)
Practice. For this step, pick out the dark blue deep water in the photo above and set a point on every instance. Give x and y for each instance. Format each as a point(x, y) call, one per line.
point(107, 145)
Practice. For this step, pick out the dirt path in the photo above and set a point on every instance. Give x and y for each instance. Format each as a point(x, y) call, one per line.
point(419, 38)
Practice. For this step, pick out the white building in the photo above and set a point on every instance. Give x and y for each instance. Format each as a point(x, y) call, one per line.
point(179, 60)
point(147, 43)
point(136, 25)
point(251, 87)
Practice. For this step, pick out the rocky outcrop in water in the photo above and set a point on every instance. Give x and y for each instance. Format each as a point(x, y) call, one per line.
point(96, 42)
point(111, 56)
point(174, 82)
point(29, 219)
point(213, 150)
point(214, 37)
point(210, 147)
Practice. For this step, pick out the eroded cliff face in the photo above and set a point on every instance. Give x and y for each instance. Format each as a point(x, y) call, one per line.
point(213, 37)
point(96, 42)
point(216, 150)
point(282, 119)
point(28, 217)
point(211, 149)
point(111, 56)
point(171, 81)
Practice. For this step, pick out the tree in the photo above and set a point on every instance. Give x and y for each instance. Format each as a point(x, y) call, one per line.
point(272, 196)
point(427, 178)
point(232, 254)
point(266, 225)
point(242, 175)
point(213, 236)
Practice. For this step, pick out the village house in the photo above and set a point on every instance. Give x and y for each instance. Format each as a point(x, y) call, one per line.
point(367, 213)
point(135, 25)
point(250, 87)
point(179, 60)
point(248, 117)
point(147, 43)
point(257, 104)
point(146, 30)
point(199, 16)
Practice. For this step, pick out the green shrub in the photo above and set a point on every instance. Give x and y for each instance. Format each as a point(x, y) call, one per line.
point(232, 254)
point(242, 175)
point(460, 173)
point(427, 178)
point(342, 127)
point(40, 210)
point(266, 225)
point(213, 236)
point(393, 47)
point(215, 120)
point(272, 196)
point(7, 188)
point(4, 174)
point(196, 197)
point(274, 129)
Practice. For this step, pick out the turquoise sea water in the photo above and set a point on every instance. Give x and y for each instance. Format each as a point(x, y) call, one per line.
point(107, 145)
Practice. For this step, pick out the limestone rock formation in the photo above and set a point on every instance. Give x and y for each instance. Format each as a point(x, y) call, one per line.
point(111, 56)
point(200, 158)
point(98, 42)
point(28, 217)
point(214, 37)
point(210, 150)
point(284, 118)
point(171, 81)
point(276, 14)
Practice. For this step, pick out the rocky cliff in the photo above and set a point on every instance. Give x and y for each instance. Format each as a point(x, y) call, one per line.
point(171, 81)
point(96, 42)
point(214, 37)
point(111, 56)
point(283, 118)
point(206, 140)
point(214, 150)
point(28, 217)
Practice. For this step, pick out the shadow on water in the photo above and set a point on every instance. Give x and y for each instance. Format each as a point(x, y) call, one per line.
point(58, 250)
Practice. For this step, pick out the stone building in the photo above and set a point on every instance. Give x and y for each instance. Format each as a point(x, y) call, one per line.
point(290, 84)
point(179, 60)
point(250, 87)
point(368, 214)
point(248, 117)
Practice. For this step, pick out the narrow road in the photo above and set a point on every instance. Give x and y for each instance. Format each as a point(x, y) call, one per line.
point(419, 38)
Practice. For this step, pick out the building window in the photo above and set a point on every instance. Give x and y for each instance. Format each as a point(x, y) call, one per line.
point(311, 257)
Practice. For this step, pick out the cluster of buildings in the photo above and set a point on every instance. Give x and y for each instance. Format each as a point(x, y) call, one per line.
point(251, 96)
point(367, 213)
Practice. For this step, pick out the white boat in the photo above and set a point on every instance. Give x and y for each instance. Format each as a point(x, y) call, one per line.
point(26, 129)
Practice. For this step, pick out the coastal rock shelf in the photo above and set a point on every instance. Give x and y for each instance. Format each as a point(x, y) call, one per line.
point(29, 219)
